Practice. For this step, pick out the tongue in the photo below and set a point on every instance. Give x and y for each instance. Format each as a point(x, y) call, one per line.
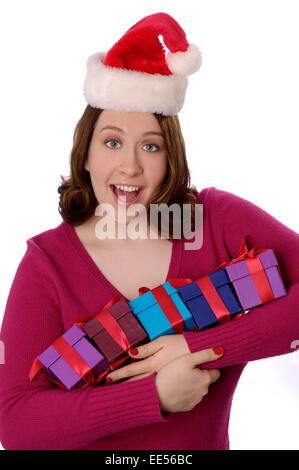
point(130, 196)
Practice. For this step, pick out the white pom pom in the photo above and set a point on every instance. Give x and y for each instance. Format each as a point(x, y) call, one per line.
point(184, 63)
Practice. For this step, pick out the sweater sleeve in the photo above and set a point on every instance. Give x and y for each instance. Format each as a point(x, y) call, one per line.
point(37, 415)
point(266, 330)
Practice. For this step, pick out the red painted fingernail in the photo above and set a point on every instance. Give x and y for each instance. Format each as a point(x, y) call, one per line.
point(218, 351)
point(134, 351)
point(109, 380)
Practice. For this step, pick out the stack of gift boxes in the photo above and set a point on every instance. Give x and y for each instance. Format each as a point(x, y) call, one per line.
point(85, 353)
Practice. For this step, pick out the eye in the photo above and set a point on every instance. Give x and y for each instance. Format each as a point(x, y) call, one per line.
point(113, 141)
point(152, 145)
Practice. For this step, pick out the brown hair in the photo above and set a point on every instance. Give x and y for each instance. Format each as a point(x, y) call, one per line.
point(77, 201)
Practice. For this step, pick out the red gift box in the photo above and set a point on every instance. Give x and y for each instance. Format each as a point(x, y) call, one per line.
point(115, 330)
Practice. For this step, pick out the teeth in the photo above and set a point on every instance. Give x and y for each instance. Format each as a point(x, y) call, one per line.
point(126, 188)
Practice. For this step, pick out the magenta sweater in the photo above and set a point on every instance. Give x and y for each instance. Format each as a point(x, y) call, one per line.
point(58, 282)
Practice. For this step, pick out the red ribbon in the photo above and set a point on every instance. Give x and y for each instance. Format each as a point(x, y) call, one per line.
point(164, 300)
point(110, 324)
point(244, 255)
point(75, 360)
point(35, 368)
point(173, 315)
point(256, 270)
point(178, 282)
point(214, 300)
point(175, 282)
point(112, 327)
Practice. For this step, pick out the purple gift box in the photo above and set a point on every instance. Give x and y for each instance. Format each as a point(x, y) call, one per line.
point(60, 370)
point(244, 285)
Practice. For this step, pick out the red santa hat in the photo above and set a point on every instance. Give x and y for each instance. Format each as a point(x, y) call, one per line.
point(137, 74)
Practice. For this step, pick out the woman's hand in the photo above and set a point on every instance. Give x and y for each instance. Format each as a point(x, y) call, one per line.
point(181, 385)
point(153, 356)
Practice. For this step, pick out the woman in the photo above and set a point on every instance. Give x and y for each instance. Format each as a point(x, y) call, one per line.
point(163, 400)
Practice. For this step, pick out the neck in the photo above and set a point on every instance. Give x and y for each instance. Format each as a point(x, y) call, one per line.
point(127, 235)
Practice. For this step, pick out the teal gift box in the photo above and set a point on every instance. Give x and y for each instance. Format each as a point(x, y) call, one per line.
point(161, 311)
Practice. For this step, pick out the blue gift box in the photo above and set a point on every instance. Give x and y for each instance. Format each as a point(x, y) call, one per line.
point(152, 317)
point(201, 310)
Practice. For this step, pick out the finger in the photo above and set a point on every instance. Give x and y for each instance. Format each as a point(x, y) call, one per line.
point(214, 374)
point(146, 350)
point(137, 377)
point(129, 370)
point(206, 355)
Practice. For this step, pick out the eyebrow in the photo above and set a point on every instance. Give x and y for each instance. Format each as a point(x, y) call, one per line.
point(114, 128)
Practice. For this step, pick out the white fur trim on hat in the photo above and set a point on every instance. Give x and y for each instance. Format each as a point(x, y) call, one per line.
point(184, 63)
point(128, 90)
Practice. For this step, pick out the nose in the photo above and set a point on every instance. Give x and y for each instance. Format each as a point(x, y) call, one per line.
point(130, 163)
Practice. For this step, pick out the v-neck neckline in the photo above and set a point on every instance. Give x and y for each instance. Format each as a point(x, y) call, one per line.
point(173, 269)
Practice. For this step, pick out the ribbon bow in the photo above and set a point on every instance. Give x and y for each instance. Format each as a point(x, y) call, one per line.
point(244, 254)
point(256, 270)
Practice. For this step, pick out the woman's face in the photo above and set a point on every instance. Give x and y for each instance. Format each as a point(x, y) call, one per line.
point(126, 149)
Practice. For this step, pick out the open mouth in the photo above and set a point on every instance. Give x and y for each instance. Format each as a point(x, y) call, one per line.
point(130, 195)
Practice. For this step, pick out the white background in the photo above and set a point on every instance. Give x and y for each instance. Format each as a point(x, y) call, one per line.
point(240, 123)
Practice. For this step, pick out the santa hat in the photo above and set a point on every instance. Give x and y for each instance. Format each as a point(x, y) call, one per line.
point(137, 75)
